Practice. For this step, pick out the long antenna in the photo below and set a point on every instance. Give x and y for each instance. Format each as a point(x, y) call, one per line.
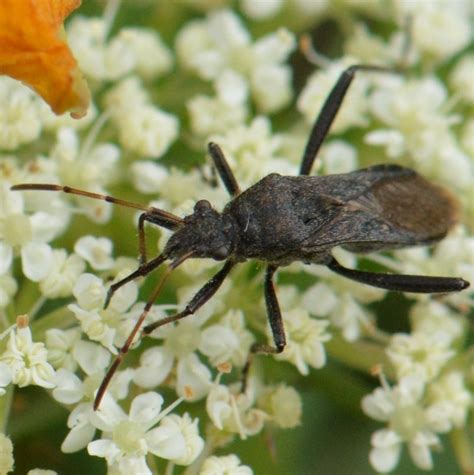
point(163, 218)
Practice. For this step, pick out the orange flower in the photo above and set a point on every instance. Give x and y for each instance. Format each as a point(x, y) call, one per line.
point(33, 50)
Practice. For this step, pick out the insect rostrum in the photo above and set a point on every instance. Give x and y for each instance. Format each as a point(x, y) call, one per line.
point(283, 219)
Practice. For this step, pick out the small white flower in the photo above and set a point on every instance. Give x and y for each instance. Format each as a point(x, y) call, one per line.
point(338, 156)
point(148, 176)
point(107, 326)
point(283, 404)
point(125, 94)
point(96, 251)
point(81, 428)
point(450, 401)
point(228, 109)
point(450, 20)
point(70, 389)
point(60, 344)
point(27, 360)
point(147, 130)
point(26, 234)
point(461, 78)
point(152, 57)
point(132, 437)
point(305, 340)
point(180, 342)
point(232, 411)
point(402, 408)
point(19, 117)
point(63, 274)
point(224, 465)
point(419, 354)
point(227, 341)
point(86, 166)
point(261, 10)
point(99, 58)
point(221, 43)
point(433, 318)
point(93, 360)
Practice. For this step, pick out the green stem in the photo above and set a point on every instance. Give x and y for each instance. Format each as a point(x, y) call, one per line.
point(463, 449)
point(360, 355)
point(61, 318)
point(5, 406)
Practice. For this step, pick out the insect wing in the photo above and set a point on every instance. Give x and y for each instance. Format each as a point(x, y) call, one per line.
point(386, 207)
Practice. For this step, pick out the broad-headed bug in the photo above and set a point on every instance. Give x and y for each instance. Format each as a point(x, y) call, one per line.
point(282, 219)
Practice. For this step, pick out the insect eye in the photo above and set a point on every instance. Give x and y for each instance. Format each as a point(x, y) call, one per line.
point(202, 205)
point(221, 253)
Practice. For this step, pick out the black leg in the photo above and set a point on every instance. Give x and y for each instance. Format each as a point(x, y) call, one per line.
point(223, 169)
point(276, 325)
point(329, 111)
point(143, 269)
point(402, 283)
point(201, 297)
point(154, 218)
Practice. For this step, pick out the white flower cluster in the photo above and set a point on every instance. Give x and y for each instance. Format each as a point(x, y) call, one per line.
point(221, 44)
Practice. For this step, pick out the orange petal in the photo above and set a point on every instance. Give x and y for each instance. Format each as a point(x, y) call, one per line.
point(33, 50)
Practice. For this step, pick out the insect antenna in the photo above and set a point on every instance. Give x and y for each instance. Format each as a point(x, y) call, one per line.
point(128, 343)
point(157, 216)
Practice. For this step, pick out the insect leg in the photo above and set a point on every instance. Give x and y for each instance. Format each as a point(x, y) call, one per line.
point(201, 297)
point(223, 169)
point(402, 283)
point(152, 217)
point(276, 325)
point(329, 111)
point(143, 269)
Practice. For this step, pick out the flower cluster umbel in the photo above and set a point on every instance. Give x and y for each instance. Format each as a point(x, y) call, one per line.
point(232, 84)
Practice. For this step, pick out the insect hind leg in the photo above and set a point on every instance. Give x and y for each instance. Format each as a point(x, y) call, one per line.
point(329, 110)
point(401, 282)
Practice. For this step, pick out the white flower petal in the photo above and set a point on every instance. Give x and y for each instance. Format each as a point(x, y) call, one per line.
point(166, 442)
point(36, 259)
point(146, 408)
point(6, 257)
point(68, 387)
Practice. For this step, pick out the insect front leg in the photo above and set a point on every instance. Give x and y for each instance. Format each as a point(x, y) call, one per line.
point(328, 112)
point(401, 283)
point(143, 270)
point(276, 325)
point(201, 297)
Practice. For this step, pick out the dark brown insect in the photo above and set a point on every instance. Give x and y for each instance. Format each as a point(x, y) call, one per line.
point(282, 219)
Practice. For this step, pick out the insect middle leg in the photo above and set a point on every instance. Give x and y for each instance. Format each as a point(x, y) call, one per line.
point(330, 108)
point(276, 325)
point(224, 169)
